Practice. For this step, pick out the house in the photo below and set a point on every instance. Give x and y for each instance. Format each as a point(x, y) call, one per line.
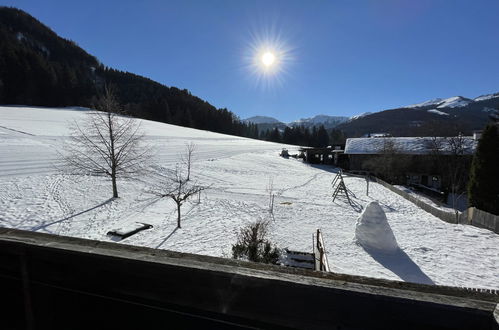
point(328, 155)
point(430, 163)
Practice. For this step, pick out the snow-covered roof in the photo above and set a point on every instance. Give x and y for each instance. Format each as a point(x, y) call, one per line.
point(405, 145)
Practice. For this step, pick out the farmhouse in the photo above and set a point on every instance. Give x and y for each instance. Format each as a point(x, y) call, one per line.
point(429, 163)
point(332, 155)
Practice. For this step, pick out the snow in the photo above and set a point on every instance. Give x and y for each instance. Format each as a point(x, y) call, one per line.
point(435, 111)
point(360, 115)
point(404, 145)
point(451, 102)
point(319, 119)
point(36, 196)
point(454, 102)
point(373, 231)
point(422, 197)
point(486, 97)
point(436, 101)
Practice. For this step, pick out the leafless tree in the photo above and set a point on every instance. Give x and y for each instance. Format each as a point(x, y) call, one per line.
point(389, 163)
point(176, 184)
point(106, 143)
point(448, 154)
point(188, 158)
point(270, 190)
point(457, 167)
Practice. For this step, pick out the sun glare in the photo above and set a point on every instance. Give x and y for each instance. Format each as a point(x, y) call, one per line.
point(267, 56)
point(268, 59)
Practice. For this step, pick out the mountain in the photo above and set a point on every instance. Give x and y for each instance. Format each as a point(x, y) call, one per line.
point(318, 120)
point(262, 120)
point(37, 67)
point(434, 117)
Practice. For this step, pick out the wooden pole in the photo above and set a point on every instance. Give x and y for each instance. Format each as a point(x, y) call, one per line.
point(367, 183)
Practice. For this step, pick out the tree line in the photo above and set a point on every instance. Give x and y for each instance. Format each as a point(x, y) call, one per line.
point(304, 136)
point(37, 67)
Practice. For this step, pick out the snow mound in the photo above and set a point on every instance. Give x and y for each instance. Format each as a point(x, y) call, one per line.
point(373, 231)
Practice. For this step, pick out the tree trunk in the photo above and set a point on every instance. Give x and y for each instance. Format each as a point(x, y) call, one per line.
point(115, 188)
point(178, 215)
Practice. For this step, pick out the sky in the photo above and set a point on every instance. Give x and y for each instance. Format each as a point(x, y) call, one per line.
point(333, 57)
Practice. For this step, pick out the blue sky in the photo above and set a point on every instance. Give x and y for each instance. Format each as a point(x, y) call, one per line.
point(337, 57)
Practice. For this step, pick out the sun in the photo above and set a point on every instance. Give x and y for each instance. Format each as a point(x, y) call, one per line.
point(267, 56)
point(268, 59)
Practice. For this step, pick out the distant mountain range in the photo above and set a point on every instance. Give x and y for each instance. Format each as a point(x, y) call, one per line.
point(437, 116)
point(434, 117)
point(264, 122)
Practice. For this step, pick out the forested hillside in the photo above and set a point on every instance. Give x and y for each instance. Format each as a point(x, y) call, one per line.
point(37, 67)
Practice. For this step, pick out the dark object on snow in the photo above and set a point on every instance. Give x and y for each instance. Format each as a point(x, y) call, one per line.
point(299, 259)
point(129, 230)
point(284, 153)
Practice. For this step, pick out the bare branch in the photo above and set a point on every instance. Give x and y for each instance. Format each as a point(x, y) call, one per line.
point(106, 143)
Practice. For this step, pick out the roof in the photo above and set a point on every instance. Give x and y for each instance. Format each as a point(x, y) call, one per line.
point(407, 145)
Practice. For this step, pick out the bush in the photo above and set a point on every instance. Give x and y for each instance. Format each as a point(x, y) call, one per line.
point(252, 244)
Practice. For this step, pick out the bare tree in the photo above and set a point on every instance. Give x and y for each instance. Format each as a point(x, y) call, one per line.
point(176, 184)
point(448, 154)
point(457, 167)
point(389, 163)
point(106, 143)
point(188, 158)
point(270, 190)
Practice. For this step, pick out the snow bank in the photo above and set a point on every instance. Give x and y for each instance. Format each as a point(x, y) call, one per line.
point(373, 231)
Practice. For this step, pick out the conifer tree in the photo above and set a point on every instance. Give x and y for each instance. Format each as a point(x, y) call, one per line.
point(483, 187)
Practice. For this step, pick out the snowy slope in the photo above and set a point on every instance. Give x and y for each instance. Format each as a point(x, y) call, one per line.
point(451, 102)
point(34, 196)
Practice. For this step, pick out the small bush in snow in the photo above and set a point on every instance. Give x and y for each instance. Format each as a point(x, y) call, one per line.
point(252, 244)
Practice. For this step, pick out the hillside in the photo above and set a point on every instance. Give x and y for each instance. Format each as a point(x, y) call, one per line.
point(435, 117)
point(37, 67)
point(35, 196)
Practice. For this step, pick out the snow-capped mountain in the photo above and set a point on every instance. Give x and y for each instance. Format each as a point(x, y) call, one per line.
point(360, 115)
point(327, 121)
point(262, 120)
point(265, 122)
point(451, 102)
point(446, 116)
point(486, 97)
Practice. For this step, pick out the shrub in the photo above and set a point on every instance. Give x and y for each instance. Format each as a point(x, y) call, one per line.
point(252, 244)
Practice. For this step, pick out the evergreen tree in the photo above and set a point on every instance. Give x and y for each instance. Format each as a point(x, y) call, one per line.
point(483, 186)
point(322, 137)
point(275, 135)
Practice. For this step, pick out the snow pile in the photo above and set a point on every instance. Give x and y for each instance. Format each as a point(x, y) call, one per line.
point(373, 231)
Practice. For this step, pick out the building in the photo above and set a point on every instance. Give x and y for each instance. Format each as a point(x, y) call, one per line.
point(430, 163)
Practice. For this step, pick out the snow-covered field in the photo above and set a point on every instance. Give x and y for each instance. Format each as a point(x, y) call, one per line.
point(34, 195)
